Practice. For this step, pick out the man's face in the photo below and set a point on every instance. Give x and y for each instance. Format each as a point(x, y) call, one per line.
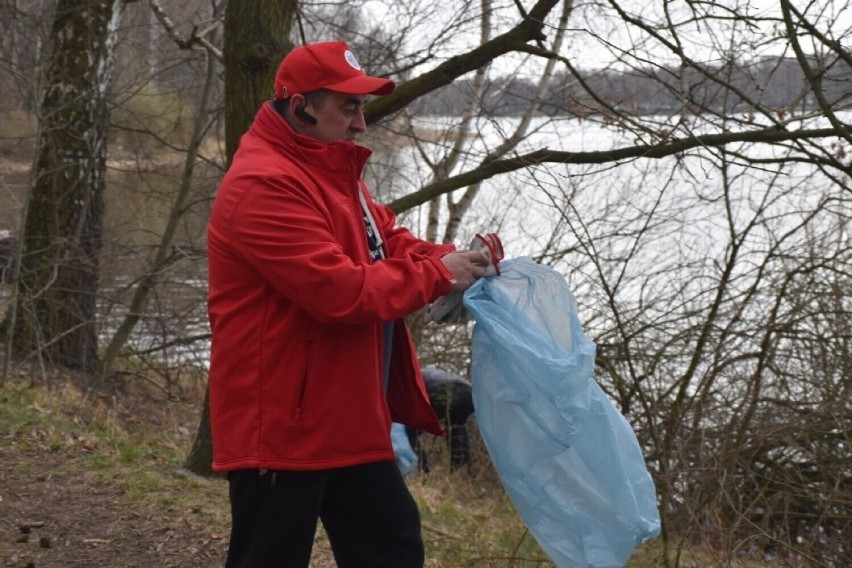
point(339, 117)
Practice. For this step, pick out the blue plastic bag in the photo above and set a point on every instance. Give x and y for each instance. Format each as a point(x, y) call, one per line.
point(570, 462)
point(406, 458)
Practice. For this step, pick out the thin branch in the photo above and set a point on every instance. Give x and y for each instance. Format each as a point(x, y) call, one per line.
point(195, 39)
point(544, 156)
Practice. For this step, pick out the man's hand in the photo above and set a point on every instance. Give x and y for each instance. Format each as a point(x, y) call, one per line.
point(466, 266)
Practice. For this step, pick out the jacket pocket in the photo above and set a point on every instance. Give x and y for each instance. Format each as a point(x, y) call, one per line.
point(301, 394)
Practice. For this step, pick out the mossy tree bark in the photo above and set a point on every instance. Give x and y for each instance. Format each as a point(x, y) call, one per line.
point(257, 36)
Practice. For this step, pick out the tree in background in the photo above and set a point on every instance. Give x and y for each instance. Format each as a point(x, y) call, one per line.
point(54, 312)
point(256, 39)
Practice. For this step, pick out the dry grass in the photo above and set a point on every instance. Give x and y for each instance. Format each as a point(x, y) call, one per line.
point(134, 439)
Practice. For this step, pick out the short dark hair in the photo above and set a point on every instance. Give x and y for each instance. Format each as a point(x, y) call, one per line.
point(317, 98)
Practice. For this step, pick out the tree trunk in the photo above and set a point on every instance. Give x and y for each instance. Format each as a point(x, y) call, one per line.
point(256, 39)
point(201, 455)
point(257, 36)
point(55, 306)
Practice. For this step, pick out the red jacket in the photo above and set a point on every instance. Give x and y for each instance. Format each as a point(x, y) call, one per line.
point(296, 308)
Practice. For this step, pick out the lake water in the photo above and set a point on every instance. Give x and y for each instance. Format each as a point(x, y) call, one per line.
point(642, 234)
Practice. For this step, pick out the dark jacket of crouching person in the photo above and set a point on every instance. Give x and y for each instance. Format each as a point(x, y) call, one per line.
point(452, 400)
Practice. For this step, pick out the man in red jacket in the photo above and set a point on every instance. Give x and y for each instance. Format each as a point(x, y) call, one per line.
point(311, 360)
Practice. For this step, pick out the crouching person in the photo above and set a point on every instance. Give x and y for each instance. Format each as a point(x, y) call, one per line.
point(451, 398)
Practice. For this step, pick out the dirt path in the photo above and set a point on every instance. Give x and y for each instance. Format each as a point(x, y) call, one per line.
point(55, 513)
point(70, 497)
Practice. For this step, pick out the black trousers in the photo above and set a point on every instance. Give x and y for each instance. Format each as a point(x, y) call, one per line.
point(368, 513)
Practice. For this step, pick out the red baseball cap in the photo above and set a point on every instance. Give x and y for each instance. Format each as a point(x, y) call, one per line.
point(327, 65)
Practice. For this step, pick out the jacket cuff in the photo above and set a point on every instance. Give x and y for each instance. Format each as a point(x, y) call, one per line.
point(447, 281)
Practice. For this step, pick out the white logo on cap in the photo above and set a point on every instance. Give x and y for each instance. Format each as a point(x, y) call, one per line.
point(350, 59)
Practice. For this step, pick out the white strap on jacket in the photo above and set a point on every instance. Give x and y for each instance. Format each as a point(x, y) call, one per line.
point(372, 222)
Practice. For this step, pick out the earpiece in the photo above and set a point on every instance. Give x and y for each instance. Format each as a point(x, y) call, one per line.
point(305, 115)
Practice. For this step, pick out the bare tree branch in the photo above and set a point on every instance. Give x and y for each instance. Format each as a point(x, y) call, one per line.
point(671, 148)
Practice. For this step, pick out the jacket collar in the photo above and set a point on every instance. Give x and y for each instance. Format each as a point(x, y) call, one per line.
point(331, 156)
